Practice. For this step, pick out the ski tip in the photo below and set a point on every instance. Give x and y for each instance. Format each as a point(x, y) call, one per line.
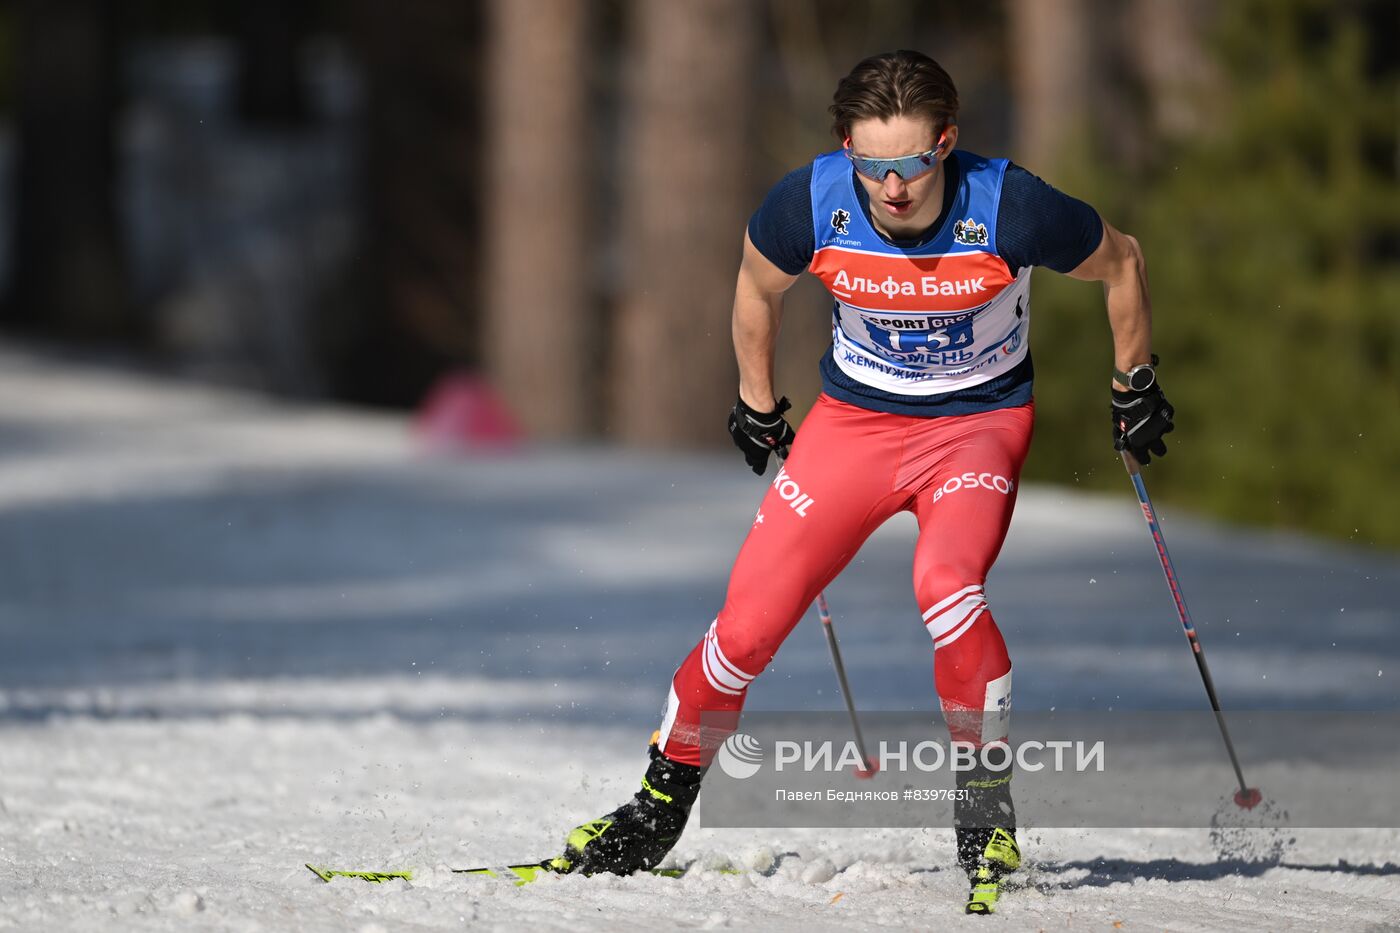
point(374, 877)
point(1248, 797)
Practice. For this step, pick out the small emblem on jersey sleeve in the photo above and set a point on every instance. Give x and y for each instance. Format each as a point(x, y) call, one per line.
point(839, 219)
point(970, 233)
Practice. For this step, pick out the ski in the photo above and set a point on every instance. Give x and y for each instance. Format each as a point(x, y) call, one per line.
point(374, 877)
point(523, 874)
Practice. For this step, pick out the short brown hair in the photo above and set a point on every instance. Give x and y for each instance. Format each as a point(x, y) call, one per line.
point(902, 83)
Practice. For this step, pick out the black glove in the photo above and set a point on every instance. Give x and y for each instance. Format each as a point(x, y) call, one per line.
point(1139, 421)
point(759, 433)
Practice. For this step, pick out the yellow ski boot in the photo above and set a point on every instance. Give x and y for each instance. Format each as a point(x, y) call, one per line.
point(999, 857)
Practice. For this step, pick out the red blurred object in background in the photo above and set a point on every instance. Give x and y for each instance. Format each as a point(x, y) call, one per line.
point(463, 412)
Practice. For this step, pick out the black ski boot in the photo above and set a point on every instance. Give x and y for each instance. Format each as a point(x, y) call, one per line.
point(986, 830)
point(637, 835)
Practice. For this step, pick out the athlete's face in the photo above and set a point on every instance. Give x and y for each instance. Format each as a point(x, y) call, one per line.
point(902, 208)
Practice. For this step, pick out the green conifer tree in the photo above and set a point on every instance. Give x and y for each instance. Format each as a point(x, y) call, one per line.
point(1273, 246)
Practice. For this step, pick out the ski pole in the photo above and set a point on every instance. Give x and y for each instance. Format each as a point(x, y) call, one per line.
point(1247, 797)
point(824, 612)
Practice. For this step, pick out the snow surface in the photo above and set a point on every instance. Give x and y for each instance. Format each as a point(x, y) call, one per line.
point(237, 636)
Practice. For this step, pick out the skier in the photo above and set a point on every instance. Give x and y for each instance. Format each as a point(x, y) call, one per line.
point(926, 407)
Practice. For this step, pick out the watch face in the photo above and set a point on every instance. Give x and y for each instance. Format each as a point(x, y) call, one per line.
point(1141, 378)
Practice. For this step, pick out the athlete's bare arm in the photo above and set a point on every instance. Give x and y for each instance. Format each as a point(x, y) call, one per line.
point(758, 311)
point(1118, 263)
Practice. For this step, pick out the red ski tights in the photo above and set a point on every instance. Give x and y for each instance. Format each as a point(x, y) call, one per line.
point(850, 470)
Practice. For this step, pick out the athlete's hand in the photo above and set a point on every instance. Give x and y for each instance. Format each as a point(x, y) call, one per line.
point(760, 433)
point(1139, 421)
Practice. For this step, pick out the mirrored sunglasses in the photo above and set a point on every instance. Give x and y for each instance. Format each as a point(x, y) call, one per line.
point(906, 167)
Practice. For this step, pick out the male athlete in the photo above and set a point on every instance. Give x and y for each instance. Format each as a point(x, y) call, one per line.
point(926, 407)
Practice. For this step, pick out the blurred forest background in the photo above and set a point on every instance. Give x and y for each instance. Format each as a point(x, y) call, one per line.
point(350, 200)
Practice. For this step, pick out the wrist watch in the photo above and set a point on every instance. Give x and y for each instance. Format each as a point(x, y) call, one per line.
point(1140, 378)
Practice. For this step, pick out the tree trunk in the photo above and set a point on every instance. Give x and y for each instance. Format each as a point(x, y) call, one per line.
point(414, 312)
point(1052, 54)
point(69, 275)
point(686, 198)
point(539, 345)
point(271, 83)
point(1168, 44)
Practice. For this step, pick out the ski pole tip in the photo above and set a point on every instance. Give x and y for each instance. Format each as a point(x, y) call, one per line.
point(872, 768)
point(1248, 797)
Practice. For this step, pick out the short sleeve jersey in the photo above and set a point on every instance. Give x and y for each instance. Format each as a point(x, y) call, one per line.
point(938, 325)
